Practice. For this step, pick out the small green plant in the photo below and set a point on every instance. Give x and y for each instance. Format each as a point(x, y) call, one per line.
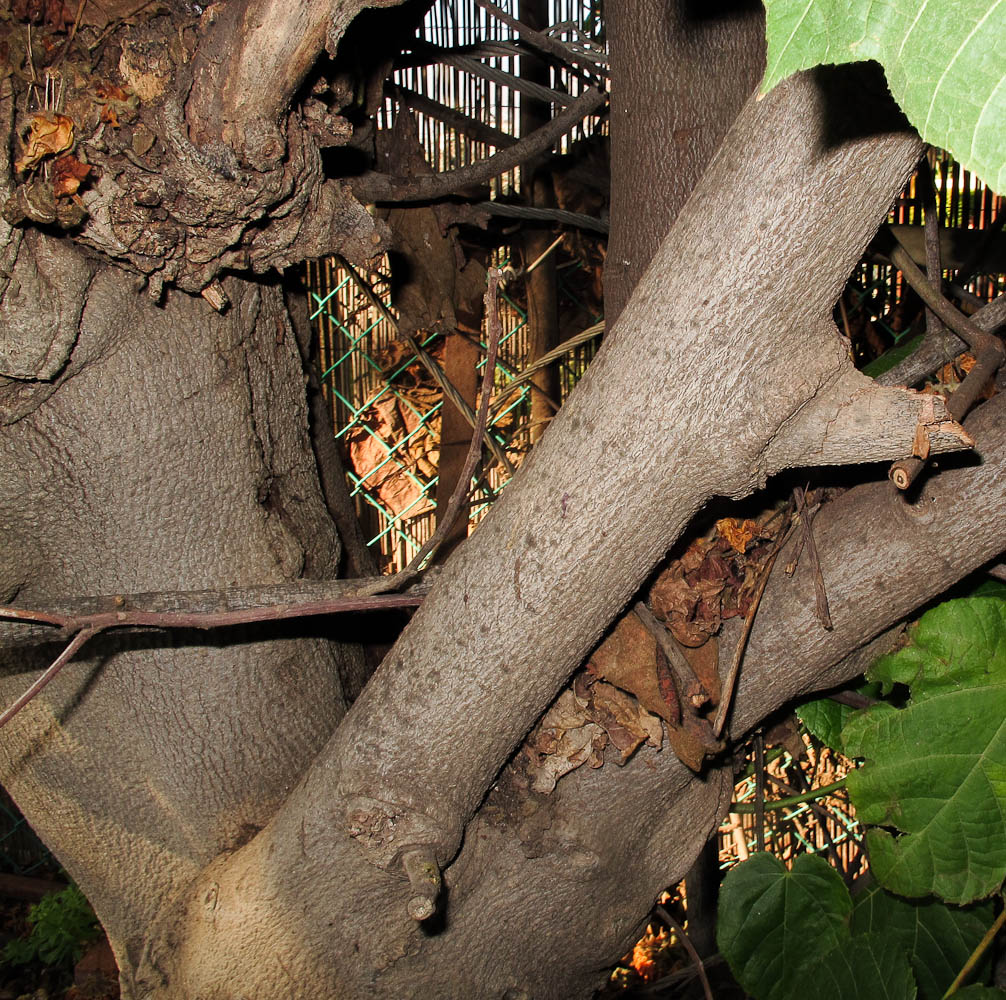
point(62, 926)
point(931, 792)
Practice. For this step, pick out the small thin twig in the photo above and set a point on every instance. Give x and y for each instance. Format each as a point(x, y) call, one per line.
point(976, 338)
point(735, 667)
point(221, 619)
point(975, 957)
point(430, 364)
point(807, 524)
point(988, 350)
point(542, 42)
point(474, 449)
point(934, 268)
point(48, 674)
point(73, 32)
point(373, 187)
point(689, 947)
point(203, 609)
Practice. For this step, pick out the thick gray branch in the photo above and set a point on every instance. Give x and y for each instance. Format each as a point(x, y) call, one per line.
point(629, 460)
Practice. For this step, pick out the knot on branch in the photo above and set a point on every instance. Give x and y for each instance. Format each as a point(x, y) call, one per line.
point(388, 831)
point(106, 153)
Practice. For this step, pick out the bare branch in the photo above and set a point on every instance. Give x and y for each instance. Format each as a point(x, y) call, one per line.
point(47, 675)
point(475, 448)
point(542, 42)
point(251, 60)
point(204, 609)
point(373, 186)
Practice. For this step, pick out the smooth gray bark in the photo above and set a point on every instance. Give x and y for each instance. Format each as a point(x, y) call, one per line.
point(172, 453)
point(681, 71)
point(238, 835)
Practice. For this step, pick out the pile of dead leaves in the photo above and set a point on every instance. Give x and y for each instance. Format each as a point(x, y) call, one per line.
point(658, 669)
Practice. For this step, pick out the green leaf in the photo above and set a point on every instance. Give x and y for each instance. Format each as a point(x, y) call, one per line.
point(957, 644)
point(867, 968)
point(979, 993)
point(936, 776)
point(767, 916)
point(825, 718)
point(943, 61)
point(937, 939)
point(990, 588)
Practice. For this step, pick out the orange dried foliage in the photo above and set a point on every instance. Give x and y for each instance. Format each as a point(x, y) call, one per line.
point(714, 579)
point(110, 92)
point(68, 174)
point(47, 135)
point(117, 103)
point(737, 533)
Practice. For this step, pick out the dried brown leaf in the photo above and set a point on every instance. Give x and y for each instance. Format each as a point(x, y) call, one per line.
point(47, 135)
point(737, 533)
point(626, 722)
point(68, 173)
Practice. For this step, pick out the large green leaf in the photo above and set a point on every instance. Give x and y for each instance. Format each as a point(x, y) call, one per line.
point(936, 776)
point(774, 924)
point(958, 644)
point(866, 968)
point(938, 939)
point(935, 772)
point(944, 64)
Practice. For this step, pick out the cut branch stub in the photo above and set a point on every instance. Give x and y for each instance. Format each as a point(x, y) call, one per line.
point(424, 882)
point(854, 420)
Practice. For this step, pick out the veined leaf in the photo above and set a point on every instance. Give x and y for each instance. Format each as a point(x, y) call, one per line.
point(824, 717)
point(958, 644)
point(767, 916)
point(935, 772)
point(866, 968)
point(944, 64)
point(938, 939)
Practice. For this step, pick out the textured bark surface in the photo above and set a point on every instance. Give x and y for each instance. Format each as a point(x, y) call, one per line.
point(629, 460)
point(618, 834)
point(681, 71)
point(239, 831)
point(173, 453)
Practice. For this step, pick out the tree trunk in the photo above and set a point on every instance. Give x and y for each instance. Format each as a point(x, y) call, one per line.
point(681, 71)
point(240, 832)
point(171, 453)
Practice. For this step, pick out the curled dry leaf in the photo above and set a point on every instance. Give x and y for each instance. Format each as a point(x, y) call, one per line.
point(625, 721)
point(562, 741)
point(581, 723)
point(628, 659)
point(737, 533)
point(47, 135)
point(68, 173)
point(690, 601)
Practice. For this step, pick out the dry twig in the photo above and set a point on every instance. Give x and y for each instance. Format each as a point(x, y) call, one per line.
point(373, 186)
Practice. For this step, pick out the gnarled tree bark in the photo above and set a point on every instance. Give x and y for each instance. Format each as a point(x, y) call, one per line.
point(239, 830)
